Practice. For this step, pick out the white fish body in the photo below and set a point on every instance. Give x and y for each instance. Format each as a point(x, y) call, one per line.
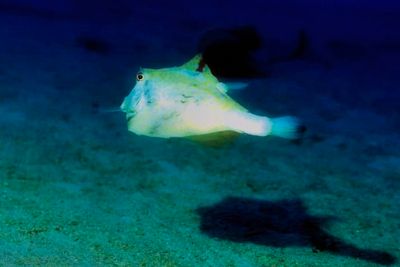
point(189, 101)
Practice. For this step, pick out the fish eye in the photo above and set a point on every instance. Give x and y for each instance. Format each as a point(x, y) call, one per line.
point(139, 76)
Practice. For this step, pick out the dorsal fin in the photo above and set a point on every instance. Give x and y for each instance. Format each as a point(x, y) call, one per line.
point(197, 64)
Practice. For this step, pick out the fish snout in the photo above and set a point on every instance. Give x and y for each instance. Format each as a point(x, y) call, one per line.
point(124, 106)
point(127, 108)
point(127, 105)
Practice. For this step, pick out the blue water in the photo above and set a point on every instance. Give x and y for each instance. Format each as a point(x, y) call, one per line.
point(78, 189)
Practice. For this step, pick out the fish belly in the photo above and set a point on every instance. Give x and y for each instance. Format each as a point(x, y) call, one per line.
point(194, 119)
point(203, 119)
point(186, 121)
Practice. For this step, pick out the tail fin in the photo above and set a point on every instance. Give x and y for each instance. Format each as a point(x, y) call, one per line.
point(285, 127)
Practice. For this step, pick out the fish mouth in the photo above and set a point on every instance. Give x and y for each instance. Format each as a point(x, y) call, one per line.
point(130, 115)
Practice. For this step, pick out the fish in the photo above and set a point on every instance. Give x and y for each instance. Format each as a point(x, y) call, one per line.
point(189, 101)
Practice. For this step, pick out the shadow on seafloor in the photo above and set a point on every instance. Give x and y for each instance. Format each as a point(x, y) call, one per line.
point(280, 223)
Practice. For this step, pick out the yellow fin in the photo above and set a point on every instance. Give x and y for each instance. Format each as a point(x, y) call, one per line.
point(215, 140)
point(197, 64)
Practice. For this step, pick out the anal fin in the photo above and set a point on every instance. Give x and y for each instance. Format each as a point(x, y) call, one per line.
point(215, 140)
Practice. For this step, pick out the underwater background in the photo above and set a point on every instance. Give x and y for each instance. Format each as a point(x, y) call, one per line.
point(78, 189)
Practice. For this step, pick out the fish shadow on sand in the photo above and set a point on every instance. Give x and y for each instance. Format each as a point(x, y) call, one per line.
point(281, 223)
